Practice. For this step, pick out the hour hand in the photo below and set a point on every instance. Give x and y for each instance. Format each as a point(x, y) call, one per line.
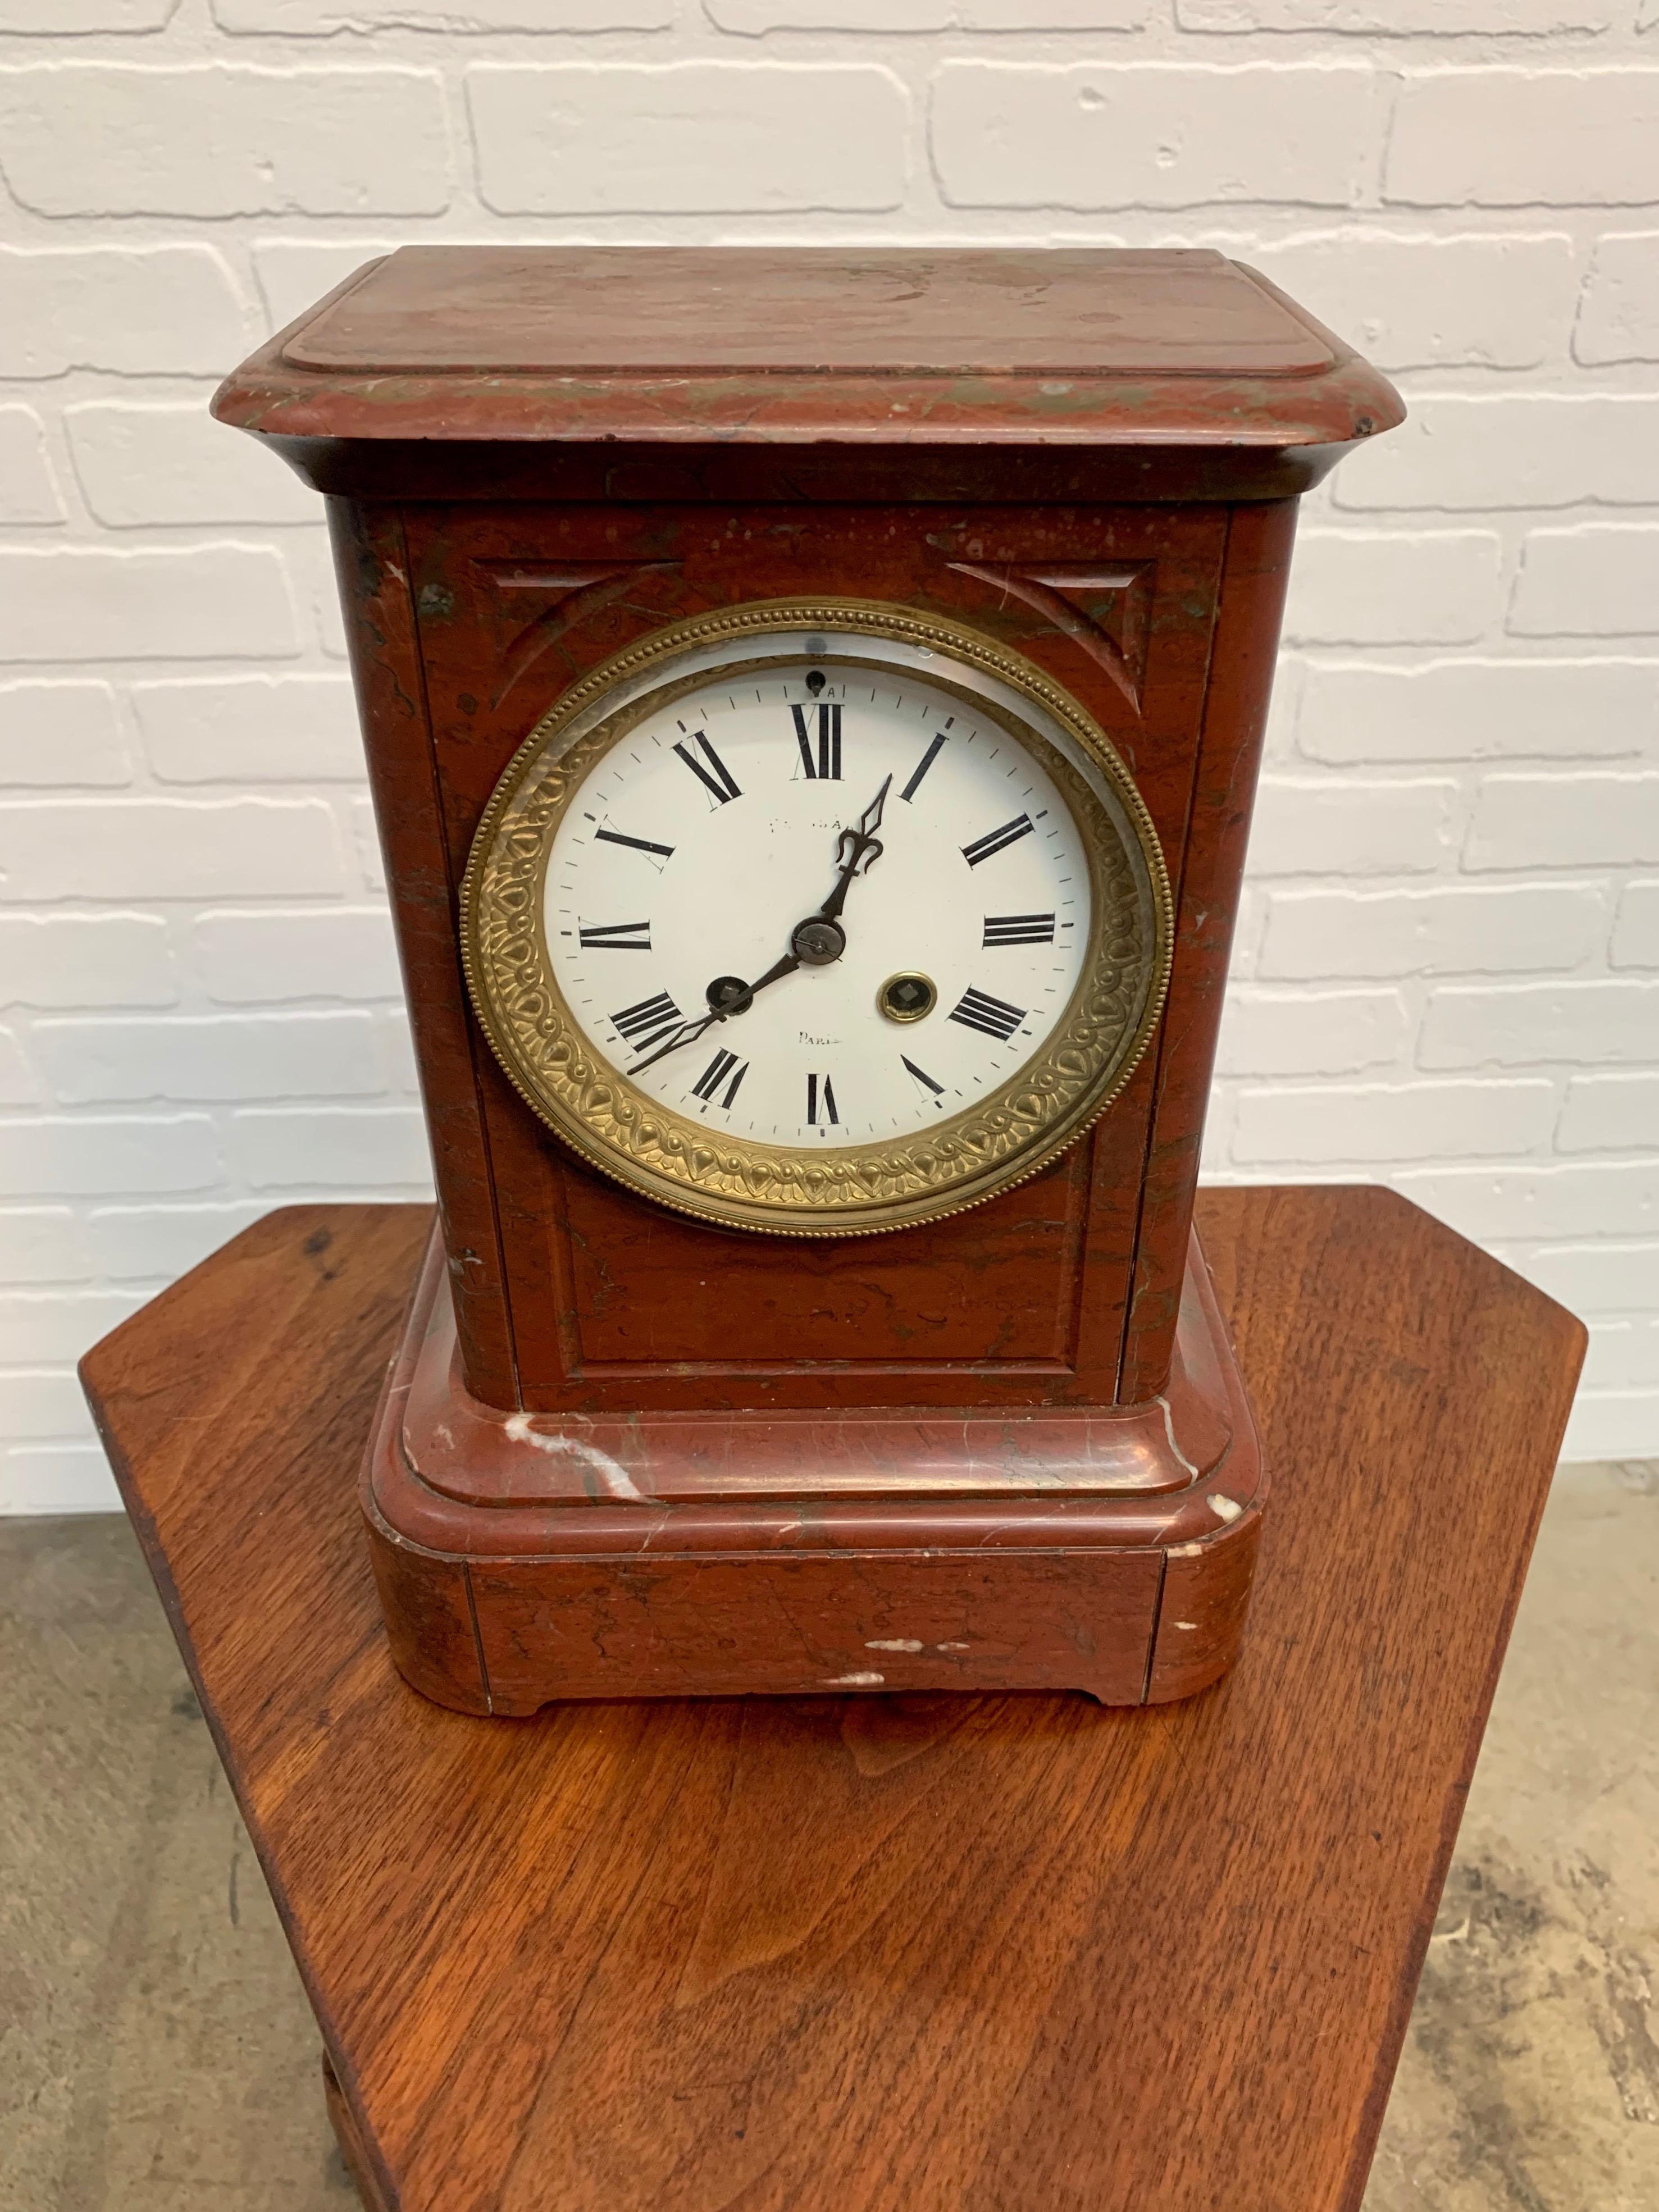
point(736, 999)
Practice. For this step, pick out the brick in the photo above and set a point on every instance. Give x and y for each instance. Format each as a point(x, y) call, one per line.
point(323, 19)
point(29, 489)
point(134, 311)
point(43, 1404)
point(752, 18)
point(18, 1086)
point(361, 1148)
point(150, 1243)
point(109, 138)
point(58, 17)
point(1351, 828)
point(1053, 15)
point(340, 953)
point(1469, 710)
point(1635, 932)
point(86, 960)
point(1599, 580)
point(1612, 1113)
point(1418, 301)
point(95, 1157)
point(310, 559)
point(1370, 1123)
point(212, 1056)
point(1279, 746)
point(172, 464)
point(1102, 135)
point(1598, 818)
point(688, 137)
point(1594, 1278)
point(1523, 1024)
point(92, 602)
point(57, 1479)
point(1265, 1032)
point(1516, 137)
point(1511, 450)
point(294, 273)
point(397, 1051)
point(52, 1329)
point(1484, 928)
point(1622, 1355)
point(1214, 1163)
point(1395, 18)
point(42, 1244)
point(1611, 1425)
point(60, 733)
point(1575, 1199)
point(170, 848)
point(1353, 587)
point(365, 837)
point(1619, 309)
point(253, 729)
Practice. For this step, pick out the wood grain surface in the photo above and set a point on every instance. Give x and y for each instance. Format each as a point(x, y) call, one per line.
point(988, 1954)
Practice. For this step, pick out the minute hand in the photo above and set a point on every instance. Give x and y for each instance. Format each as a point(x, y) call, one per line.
point(860, 843)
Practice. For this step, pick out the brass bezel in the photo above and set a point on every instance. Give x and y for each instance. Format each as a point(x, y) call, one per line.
point(855, 1190)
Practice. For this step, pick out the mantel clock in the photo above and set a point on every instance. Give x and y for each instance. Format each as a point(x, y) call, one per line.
point(813, 703)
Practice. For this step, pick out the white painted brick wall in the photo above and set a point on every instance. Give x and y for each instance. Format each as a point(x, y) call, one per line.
point(1377, 587)
point(1592, 580)
point(1619, 313)
point(1448, 966)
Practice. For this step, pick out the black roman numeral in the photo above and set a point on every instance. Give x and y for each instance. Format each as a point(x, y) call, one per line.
point(620, 936)
point(997, 841)
point(649, 1022)
point(923, 1078)
point(820, 1102)
point(724, 1063)
point(639, 844)
point(1019, 929)
point(719, 783)
point(992, 1017)
point(826, 761)
point(922, 767)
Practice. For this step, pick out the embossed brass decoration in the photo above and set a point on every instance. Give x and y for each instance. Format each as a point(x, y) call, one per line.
point(1017, 1130)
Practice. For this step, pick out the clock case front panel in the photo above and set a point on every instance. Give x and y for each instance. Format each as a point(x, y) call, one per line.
point(571, 1294)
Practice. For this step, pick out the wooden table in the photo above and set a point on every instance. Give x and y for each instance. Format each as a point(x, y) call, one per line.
point(946, 1954)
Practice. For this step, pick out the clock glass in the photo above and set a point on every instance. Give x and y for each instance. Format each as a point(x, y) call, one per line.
point(816, 919)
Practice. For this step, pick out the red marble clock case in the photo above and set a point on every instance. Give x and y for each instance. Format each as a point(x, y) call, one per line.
point(625, 1453)
point(573, 1299)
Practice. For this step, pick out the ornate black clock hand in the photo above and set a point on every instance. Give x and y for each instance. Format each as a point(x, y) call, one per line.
point(738, 1002)
point(858, 843)
point(816, 942)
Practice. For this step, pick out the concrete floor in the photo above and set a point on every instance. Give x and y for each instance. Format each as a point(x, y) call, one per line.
point(156, 2054)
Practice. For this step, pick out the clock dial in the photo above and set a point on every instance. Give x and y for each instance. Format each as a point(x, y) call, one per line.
point(817, 928)
point(977, 884)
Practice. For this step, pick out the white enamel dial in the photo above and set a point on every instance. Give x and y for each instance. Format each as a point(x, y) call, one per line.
point(722, 820)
